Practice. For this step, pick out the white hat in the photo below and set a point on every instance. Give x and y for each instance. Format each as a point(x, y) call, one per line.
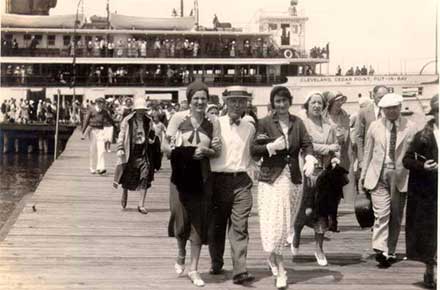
point(390, 100)
point(139, 103)
point(236, 92)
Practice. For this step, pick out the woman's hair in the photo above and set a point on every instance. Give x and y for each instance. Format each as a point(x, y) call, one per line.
point(195, 87)
point(281, 92)
point(427, 132)
point(306, 104)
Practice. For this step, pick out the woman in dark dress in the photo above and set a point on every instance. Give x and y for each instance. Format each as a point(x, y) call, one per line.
point(192, 138)
point(421, 215)
point(137, 147)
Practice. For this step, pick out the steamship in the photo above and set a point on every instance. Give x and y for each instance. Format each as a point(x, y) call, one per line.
point(45, 55)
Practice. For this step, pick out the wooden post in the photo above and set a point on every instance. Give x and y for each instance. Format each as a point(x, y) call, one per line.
point(56, 126)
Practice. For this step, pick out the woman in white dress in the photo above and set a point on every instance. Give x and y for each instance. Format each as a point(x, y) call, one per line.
point(280, 138)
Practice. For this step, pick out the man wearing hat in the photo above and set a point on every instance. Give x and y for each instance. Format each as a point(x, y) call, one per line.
point(232, 197)
point(94, 125)
point(385, 177)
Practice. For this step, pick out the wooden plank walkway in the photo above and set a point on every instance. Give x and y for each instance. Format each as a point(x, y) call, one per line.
point(79, 238)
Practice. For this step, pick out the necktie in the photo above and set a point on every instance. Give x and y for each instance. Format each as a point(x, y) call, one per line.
point(236, 122)
point(393, 138)
point(378, 114)
point(191, 137)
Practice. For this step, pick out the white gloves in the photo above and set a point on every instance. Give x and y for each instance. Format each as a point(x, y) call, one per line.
point(278, 144)
point(335, 161)
point(309, 165)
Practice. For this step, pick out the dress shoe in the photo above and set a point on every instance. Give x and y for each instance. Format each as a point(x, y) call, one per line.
point(216, 271)
point(294, 250)
point(101, 172)
point(195, 278)
point(142, 210)
point(124, 198)
point(382, 259)
point(281, 282)
point(322, 261)
point(428, 281)
point(392, 258)
point(242, 278)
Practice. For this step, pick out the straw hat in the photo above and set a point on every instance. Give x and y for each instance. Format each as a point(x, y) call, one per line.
point(139, 103)
point(236, 92)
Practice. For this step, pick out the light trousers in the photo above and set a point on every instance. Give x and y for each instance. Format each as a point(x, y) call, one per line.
point(388, 205)
point(97, 149)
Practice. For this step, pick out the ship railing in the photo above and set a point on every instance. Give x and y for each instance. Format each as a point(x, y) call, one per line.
point(136, 80)
point(151, 53)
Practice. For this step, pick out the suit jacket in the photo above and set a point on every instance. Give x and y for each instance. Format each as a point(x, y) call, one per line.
point(298, 139)
point(365, 118)
point(375, 153)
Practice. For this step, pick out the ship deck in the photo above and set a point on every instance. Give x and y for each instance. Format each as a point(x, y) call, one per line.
point(72, 234)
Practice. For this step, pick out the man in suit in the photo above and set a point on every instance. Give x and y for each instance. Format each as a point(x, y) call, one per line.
point(366, 116)
point(385, 177)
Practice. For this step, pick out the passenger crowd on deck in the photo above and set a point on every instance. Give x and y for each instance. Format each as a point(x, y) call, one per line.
point(158, 47)
point(363, 71)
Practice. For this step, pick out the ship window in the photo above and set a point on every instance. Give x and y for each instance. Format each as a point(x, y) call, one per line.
point(88, 38)
point(27, 37)
point(412, 92)
point(38, 37)
point(66, 40)
point(8, 36)
point(51, 40)
point(295, 29)
point(273, 26)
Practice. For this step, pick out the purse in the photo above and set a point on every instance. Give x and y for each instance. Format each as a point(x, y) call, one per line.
point(363, 208)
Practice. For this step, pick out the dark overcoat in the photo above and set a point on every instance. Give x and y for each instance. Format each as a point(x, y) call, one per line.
point(421, 214)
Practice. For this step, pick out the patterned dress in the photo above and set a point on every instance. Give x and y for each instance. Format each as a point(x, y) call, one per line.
point(278, 206)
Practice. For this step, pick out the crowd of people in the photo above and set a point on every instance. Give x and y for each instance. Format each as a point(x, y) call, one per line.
point(171, 47)
point(363, 71)
point(303, 162)
point(26, 111)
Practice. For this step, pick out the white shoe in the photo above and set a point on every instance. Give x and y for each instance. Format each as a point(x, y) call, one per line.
point(294, 250)
point(281, 282)
point(322, 261)
point(179, 269)
point(195, 278)
point(290, 238)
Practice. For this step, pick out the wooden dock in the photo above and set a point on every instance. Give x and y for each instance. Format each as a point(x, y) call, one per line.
point(73, 234)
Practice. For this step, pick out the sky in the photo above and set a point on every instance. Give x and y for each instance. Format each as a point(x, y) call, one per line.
point(395, 36)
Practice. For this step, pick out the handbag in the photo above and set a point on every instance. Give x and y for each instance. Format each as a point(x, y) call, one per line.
point(363, 208)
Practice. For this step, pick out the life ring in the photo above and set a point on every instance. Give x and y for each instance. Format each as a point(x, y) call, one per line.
point(288, 53)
